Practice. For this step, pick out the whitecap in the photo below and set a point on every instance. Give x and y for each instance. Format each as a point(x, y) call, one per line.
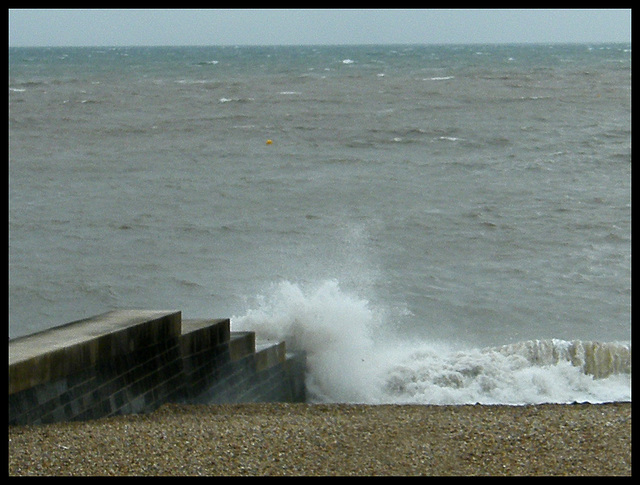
point(438, 78)
point(191, 81)
point(239, 100)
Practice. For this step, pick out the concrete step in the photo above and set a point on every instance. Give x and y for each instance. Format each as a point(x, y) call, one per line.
point(60, 351)
point(269, 354)
point(204, 333)
point(241, 344)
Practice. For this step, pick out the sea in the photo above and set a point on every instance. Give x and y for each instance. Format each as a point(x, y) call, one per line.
point(430, 224)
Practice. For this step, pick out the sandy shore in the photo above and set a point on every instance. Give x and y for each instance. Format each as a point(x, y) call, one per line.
point(336, 439)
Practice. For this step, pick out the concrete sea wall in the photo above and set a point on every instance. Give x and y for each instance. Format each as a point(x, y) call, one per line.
point(133, 361)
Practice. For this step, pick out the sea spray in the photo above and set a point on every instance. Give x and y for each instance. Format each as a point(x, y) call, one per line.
point(333, 328)
point(351, 358)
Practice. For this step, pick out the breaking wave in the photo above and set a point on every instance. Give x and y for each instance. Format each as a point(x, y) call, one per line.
point(350, 357)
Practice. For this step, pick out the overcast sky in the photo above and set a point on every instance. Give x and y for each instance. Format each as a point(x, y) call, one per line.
point(81, 27)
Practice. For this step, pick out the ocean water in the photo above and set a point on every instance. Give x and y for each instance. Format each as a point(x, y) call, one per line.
point(431, 224)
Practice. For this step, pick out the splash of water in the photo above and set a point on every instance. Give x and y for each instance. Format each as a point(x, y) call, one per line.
point(350, 358)
point(333, 328)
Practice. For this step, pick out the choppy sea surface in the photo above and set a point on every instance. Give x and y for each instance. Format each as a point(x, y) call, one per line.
point(431, 224)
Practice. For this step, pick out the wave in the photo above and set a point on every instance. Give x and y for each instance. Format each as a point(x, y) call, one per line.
point(352, 357)
point(438, 78)
point(534, 372)
point(598, 359)
point(235, 100)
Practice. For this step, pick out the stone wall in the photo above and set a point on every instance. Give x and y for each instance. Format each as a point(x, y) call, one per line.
point(133, 361)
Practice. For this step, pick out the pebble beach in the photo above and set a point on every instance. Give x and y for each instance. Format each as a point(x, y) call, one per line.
point(333, 440)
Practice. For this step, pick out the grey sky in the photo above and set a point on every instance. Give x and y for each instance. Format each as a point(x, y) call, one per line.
point(81, 27)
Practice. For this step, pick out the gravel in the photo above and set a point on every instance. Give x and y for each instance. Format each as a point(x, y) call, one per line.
point(333, 439)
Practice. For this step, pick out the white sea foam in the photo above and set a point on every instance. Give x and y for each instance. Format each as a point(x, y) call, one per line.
point(440, 78)
point(238, 100)
point(191, 81)
point(351, 359)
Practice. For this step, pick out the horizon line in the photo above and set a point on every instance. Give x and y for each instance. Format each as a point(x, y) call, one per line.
point(355, 44)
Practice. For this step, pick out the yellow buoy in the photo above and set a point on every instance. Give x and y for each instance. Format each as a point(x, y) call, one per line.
point(269, 142)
